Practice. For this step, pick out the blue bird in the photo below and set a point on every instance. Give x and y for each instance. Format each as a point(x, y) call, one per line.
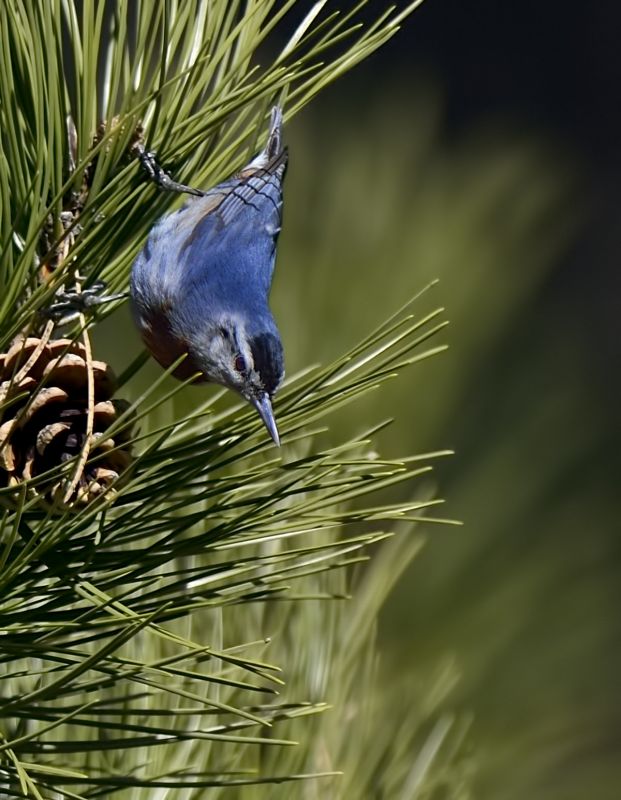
point(200, 285)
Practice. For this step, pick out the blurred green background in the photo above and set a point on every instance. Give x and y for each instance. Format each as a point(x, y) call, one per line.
point(480, 149)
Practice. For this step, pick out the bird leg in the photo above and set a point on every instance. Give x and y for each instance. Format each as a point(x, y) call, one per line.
point(69, 305)
point(158, 174)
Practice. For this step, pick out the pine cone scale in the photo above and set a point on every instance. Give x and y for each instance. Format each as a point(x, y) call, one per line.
point(45, 417)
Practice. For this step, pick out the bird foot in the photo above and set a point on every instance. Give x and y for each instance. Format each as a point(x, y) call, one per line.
point(158, 174)
point(68, 306)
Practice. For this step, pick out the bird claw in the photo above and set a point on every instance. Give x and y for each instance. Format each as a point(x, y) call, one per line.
point(158, 174)
point(68, 306)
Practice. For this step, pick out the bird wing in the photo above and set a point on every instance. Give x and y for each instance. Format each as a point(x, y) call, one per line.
point(257, 188)
point(235, 225)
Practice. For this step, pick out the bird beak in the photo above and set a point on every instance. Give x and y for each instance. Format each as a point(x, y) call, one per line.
point(263, 405)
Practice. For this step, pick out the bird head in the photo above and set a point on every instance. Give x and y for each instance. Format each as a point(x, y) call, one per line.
point(246, 357)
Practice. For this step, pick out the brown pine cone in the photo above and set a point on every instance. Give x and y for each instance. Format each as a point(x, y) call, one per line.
point(43, 419)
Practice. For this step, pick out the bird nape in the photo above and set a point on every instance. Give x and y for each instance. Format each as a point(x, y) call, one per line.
point(200, 286)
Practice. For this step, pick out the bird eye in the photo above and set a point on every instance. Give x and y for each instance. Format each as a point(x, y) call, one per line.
point(240, 364)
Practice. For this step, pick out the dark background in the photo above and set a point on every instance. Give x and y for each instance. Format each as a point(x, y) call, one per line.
point(554, 68)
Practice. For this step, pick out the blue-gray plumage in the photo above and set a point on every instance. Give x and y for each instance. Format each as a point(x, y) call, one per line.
point(200, 286)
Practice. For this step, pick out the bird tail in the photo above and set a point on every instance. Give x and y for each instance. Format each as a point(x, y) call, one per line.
point(273, 154)
point(274, 138)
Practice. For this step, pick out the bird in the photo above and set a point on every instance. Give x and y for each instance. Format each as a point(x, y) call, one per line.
point(200, 286)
